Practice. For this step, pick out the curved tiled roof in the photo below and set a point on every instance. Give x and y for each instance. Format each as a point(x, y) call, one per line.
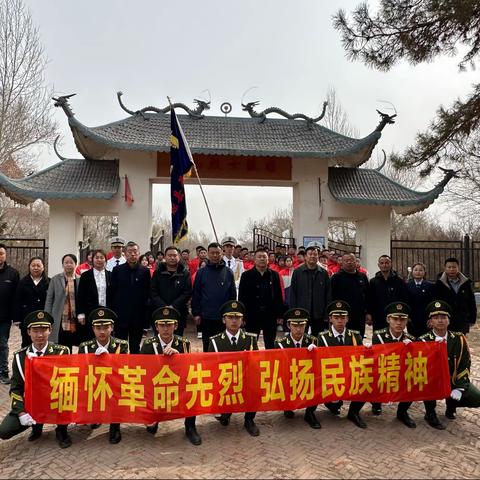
point(226, 136)
point(70, 179)
point(365, 186)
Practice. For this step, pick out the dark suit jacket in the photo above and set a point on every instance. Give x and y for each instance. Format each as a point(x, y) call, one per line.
point(418, 299)
point(87, 293)
point(87, 300)
point(128, 294)
point(262, 297)
point(171, 289)
point(29, 297)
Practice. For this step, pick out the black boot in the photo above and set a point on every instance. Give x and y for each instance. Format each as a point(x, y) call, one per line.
point(152, 428)
point(251, 428)
point(405, 418)
point(192, 435)
point(288, 414)
point(334, 407)
point(224, 419)
point(63, 438)
point(36, 432)
point(114, 435)
point(432, 419)
point(311, 419)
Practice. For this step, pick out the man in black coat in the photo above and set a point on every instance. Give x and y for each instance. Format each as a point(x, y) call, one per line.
point(214, 285)
point(310, 289)
point(384, 288)
point(261, 293)
point(93, 289)
point(9, 279)
point(128, 297)
point(171, 286)
point(352, 286)
point(421, 293)
point(454, 288)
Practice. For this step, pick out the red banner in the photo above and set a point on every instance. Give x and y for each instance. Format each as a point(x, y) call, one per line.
point(148, 388)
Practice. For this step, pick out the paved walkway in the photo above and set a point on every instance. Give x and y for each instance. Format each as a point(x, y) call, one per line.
point(284, 449)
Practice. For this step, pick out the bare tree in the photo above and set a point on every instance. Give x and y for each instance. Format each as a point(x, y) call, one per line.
point(25, 107)
point(336, 118)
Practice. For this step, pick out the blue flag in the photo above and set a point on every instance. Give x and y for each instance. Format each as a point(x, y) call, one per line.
point(181, 164)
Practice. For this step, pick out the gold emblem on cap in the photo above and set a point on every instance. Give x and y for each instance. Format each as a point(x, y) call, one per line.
point(438, 304)
point(234, 304)
point(101, 313)
point(165, 311)
point(297, 313)
point(40, 315)
point(338, 304)
point(399, 306)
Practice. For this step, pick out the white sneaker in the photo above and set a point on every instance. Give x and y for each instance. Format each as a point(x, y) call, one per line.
point(199, 334)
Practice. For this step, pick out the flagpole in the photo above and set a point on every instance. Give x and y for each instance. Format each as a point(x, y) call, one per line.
point(196, 173)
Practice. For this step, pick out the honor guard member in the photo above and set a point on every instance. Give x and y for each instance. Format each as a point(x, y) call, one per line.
point(336, 336)
point(39, 326)
point(464, 393)
point(102, 320)
point(297, 319)
point(117, 257)
point(398, 314)
point(234, 339)
point(165, 342)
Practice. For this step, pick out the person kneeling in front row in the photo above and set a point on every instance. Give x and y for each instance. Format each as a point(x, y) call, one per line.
point(102, 321)
point(234, 339)
point(297, 319)
point(166, 343)
point(39, 326)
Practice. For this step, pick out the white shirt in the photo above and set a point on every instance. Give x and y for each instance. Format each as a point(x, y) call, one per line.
point(43, 350)
point(113, 262)
point(165, 345)
point(397, 339)
point(337, 334)
point(235, 265)
point(438, 337)
point(230, 336)
point(101, 282)
point(104, 346)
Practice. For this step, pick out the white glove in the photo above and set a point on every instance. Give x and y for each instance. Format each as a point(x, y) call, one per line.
point(311, 347)
point(101, 350)
point(367, 345)
point(456, 394)
point(26, 420)
point(406, 341)
point(31, 355)
point(438, 339)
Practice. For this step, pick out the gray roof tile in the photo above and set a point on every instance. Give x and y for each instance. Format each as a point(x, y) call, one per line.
point(365, 186)
point(228, 136)
point(70, 179)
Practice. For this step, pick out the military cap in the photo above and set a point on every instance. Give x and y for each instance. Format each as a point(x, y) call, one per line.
point(338, 307)
point(397, 309)
point(232, 307)
point(299, 316)
point(166, 315)
point(38, 318)
point(438, 307)
point(229, 241)
point(102, 316)
point(117, 241)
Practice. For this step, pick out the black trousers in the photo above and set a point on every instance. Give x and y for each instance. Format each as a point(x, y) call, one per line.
point(133, 333)
point(210, 327)
point(269, 329)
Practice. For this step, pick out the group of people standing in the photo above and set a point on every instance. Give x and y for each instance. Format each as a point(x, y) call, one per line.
point(223, 296)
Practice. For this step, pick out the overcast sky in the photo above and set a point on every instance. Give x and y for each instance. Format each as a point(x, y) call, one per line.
point(288, 50)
